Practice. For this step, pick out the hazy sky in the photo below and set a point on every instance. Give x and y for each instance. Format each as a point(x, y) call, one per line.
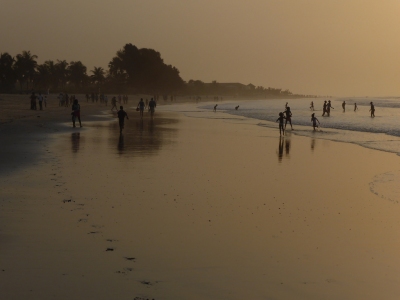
point(325, 47)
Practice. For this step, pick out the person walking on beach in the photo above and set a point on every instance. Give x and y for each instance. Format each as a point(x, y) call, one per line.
point(114, 103)
point(152, 106)
point(324, 108)
point(280, 119)
point(344, 106)
point(140, 106)
point(372, 110)
point(312, 106)
point(215, 107)
point(121, 118)
point(76, 113)
point(33, 101)
point(314, 120)
point(288, 118)
point(328, 108)
point(40, 98)
point(355, 106)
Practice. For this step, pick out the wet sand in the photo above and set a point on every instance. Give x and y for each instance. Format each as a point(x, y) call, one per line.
point(193, 205)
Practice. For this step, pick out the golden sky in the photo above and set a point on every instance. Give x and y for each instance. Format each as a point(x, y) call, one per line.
point(324, 47)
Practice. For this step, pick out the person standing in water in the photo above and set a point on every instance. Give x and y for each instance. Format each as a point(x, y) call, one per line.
point(344, 106)
point(121, 118)
point(328, 108)
point(140, 106)
point(324, 108)
point(114, 103)
point(152, 106)
point(280, 119)
point(76, 113)
point(314, 121)
point(372, 110)
point(288, 118)
point(355, 106)
point(312, 106)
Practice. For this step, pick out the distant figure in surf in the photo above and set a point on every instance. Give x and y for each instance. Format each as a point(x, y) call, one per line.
point(114, 103)
point(215, 107)
point(372, 110)
point(324, 108)
point(312, 106)
point(314, 121)
point(140, 106)
point(280, 119)
point(286, 105)
point(152, 105)
point(344, 106)
point(355, 106)
point(328, 108)
point(288, 118)
point(237, 107)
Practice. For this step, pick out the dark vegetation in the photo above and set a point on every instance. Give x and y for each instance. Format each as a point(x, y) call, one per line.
point(132, 71)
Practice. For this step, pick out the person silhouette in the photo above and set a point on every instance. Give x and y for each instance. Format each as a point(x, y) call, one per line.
point(324, 108)
point(328, 108)
point(372, 110)
point(288, 118)
point(280, 119)
point(121, 118)
point(76, 112)
point(140, 106)
point(314, 120)
point(344, 106)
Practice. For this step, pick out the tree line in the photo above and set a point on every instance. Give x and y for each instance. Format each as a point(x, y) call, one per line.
point(130, 71)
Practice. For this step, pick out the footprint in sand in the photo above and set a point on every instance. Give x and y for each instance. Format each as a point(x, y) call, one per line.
point(386, 186)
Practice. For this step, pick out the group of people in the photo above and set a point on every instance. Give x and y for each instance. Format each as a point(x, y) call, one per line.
point(95, 97)
point(39, 98)
point(286, 116)
point(64, 99)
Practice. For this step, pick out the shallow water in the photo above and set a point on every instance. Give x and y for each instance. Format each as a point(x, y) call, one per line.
point(380, 133)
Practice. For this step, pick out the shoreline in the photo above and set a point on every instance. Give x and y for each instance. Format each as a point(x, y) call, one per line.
point(197, 205)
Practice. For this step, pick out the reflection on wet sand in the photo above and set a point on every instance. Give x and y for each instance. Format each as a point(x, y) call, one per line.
point(280, 149)
point(142, 137)
point(284, 144)
point(75, 141)
point(312, 144)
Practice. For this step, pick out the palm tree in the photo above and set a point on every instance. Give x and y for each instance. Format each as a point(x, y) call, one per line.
point(43, 77)
point(98, 76)
point(25, 67)
point(7, 73)
point(77, 73)
point(52, 68)
point(61, 72)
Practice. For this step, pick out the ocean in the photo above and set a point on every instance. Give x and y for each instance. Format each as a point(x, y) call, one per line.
point(380, 133)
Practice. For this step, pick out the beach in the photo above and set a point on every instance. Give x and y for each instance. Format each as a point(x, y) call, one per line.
point(191, 205)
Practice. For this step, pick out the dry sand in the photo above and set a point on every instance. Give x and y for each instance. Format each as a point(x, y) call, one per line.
point(191, 205)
